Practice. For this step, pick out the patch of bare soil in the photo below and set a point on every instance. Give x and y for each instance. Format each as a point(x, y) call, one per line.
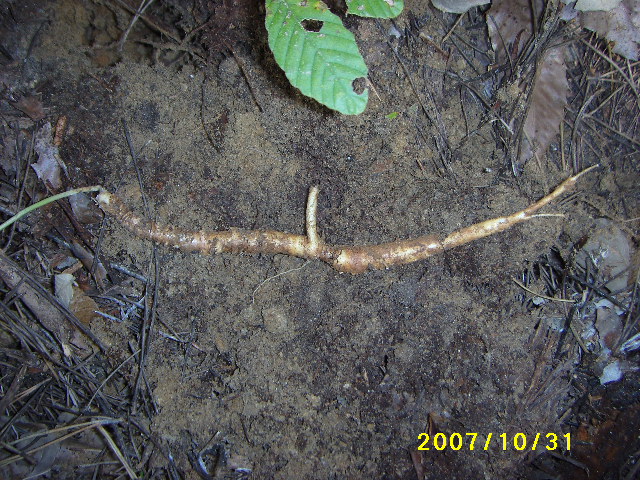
point(268, 366)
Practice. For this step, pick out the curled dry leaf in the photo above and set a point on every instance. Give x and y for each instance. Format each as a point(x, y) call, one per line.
point(85, 209)
point(83, 306)
point(510, 28)
point(609, 250)
point(457, 6)
point(63, 285)
point(620, 25)
point(47, 167)
point(609, 326)
point(31, 106)
point(72, 297)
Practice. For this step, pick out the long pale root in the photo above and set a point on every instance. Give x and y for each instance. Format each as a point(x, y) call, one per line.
point(344, 258)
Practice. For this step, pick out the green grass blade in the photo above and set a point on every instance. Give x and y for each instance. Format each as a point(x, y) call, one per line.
point(322, 64)
point(375, 8)
point(46, 201)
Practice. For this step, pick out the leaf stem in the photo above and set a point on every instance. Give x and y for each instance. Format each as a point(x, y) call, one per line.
point(46, 201)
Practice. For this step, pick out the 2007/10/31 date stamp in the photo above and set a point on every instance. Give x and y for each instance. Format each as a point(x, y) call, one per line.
point(519, 441)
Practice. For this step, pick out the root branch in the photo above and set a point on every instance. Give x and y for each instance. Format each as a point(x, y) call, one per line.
point(344, 258)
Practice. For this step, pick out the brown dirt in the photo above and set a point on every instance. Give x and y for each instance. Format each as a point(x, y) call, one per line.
point(298, 371)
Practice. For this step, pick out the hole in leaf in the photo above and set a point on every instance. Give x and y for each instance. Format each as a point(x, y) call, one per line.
point(359, 85)
point(311, 25)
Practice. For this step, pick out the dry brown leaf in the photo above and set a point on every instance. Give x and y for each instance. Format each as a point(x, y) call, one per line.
point(548, 99)
point(47, 167)
point(610, 251)
point(63, 286)
point(30, 105)
point(510, 27)
point(72, 297)
point(83, 306)
point(508, 22)
point(85, 209)
point(620, 25)
point(457, 6)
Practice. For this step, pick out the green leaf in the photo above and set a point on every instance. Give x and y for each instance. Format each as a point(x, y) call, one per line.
point(323, 64)
point(375, 8)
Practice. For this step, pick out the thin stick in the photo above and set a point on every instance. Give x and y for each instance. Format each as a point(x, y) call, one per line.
point(141, 9)
point(539, 295)
point(116, 451)
point(455, 25)
point(344, 258)
point(253, 294)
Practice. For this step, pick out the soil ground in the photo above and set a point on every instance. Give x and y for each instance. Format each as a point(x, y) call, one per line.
point(285, 367)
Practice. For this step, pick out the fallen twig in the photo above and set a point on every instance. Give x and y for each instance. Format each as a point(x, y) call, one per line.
point(42, 304)
point(344, 258)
